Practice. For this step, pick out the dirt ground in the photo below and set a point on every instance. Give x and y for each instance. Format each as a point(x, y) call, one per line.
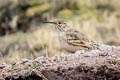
point(68, 67)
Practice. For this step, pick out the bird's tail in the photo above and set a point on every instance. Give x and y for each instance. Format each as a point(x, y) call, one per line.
point(94, 45)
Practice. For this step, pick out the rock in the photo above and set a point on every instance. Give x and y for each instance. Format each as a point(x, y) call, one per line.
point(73, 66)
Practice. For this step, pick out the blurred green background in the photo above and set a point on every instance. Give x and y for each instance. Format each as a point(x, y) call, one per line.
point(22, 35)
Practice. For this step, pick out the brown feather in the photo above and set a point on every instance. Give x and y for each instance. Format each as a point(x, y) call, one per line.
point(78, 43)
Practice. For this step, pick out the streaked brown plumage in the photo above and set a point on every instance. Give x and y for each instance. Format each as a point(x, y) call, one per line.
point(71, 39)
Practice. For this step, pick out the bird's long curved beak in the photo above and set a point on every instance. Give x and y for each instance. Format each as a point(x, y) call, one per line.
point(50, 22)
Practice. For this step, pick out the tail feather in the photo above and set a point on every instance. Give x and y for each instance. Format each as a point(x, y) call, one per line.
point(94, 45)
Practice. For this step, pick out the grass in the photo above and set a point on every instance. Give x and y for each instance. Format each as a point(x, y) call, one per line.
point(114, 61)
point(45, 38)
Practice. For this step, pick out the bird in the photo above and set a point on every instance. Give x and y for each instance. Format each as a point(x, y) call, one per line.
point(72, 40)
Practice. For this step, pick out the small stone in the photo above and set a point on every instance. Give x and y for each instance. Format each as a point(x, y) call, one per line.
point(80, 52)
point(39, 58)
point(25, 60)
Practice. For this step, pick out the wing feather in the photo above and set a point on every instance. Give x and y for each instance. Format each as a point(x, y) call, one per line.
point(75, 38)
point(78, 43)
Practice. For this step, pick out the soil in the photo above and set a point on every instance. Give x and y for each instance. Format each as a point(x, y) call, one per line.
point(95, 67)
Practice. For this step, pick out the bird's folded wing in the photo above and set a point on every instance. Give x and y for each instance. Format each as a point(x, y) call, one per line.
point(77, 39)
point(78, 43)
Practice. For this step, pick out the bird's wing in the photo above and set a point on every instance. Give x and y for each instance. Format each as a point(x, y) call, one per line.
point(76, 38)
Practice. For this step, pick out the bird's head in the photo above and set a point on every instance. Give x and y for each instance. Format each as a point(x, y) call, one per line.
point(60, 25)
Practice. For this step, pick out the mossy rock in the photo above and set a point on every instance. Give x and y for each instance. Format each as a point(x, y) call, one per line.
point(66, 14)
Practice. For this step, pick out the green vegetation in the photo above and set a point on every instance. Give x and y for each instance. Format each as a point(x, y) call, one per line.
point(114, 61)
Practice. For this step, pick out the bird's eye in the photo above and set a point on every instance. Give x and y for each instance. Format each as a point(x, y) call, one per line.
point(59, 23)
